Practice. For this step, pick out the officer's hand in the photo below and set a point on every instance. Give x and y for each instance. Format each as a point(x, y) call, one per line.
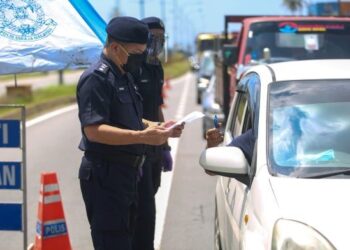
point(155, 135)
point(176, 131)
point(214, 137)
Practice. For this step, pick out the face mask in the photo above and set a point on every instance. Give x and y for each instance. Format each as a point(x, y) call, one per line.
point(134, 61)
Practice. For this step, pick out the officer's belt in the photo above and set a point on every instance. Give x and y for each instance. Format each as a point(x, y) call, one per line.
point(135, 161)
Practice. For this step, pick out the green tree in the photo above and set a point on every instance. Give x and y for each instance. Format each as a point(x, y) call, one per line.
point(294, 5)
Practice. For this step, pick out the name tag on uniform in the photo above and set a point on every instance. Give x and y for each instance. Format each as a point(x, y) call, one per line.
point(144, 81)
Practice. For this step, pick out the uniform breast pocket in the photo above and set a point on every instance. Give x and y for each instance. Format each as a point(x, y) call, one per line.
point(123, 95)
point(123, 110)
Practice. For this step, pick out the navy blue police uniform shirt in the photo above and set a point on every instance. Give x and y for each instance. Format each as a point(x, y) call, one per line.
point(106, 96)
point(150, 81)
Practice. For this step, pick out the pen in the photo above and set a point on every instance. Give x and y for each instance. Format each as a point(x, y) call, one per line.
point(216, 122)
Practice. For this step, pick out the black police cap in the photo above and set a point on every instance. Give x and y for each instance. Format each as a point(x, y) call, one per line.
point(154, 23)
point(128, 30)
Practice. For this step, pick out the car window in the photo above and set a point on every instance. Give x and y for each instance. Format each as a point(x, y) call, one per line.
point(309, 127)
point(237, 125)
point(244, 118)
point(207, 64)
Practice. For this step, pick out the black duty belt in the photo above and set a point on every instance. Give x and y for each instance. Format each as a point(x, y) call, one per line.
point(135, 161)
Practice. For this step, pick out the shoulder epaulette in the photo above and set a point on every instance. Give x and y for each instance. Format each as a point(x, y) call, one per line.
point(102, 69)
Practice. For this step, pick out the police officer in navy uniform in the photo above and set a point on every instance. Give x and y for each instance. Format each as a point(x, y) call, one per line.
point(114, 135)
point(150, 83)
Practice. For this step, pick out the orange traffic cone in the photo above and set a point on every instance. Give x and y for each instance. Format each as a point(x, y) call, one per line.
point(167, 83)
point(51, 228)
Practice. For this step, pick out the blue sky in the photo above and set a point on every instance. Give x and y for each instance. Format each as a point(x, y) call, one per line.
point(192, 16)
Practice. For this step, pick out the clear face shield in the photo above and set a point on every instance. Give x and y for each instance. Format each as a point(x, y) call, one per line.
point(157, 48)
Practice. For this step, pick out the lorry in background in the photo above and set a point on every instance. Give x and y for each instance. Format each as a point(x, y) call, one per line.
point(268, 39)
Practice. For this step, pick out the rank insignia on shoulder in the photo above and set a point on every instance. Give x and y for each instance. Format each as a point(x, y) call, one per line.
point(102, 68)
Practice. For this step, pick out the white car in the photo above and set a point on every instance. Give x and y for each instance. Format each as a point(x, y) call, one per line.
point(295, 192)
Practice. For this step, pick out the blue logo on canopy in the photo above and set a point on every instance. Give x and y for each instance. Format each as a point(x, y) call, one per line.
point(24, 20)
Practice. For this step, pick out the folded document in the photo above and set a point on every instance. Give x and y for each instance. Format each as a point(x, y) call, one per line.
point(188, 118)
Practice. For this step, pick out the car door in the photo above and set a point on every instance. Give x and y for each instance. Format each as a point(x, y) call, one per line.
point(242, 119)
point(229, 221)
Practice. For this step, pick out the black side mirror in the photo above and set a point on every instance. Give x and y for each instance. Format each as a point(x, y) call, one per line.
point(229, 54)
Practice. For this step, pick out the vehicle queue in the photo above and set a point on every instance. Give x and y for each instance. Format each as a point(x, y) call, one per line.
point(289, 84)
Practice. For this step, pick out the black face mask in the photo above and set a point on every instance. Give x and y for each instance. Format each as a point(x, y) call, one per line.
point(134, 62)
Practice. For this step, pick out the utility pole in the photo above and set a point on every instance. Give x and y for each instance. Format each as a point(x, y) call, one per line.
point(163, 11)
point(142, 9)
point(175, 16)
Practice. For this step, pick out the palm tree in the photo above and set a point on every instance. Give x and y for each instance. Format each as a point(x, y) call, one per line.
point(294, 5)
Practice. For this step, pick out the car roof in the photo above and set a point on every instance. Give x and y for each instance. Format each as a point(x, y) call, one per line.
point(294, 18)
point(306, 70)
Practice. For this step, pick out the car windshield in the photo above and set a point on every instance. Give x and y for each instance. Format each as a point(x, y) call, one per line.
point(309, 127)
point(297, 40)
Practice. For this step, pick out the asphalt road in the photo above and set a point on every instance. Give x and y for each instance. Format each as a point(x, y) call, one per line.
point(185, 202)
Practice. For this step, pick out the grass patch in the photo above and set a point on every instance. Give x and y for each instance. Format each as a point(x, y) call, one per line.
point(177, 66)
point(42, 99)
point(22, 76)
point(43, 95)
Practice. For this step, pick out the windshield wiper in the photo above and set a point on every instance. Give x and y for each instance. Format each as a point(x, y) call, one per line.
point(328, 174)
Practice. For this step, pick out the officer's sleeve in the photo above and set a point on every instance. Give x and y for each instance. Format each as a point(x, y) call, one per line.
point(246, 143)
point(94, 98)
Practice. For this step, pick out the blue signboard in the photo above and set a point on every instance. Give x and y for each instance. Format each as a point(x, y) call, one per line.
point(324, 9)
point(11, 217)
point(10, 175)
point(10, 134)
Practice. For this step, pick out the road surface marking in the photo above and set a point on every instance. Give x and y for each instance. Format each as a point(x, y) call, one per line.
point(50, 115)
point(162, 196)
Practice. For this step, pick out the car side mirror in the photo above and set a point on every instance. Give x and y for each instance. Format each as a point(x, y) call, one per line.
point(226, 161)
point(230, 54)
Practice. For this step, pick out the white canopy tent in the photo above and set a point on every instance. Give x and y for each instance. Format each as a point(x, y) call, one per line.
point(45, 35)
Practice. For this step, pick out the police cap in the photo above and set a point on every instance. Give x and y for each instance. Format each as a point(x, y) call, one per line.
point(128, 30)
point(154, 23)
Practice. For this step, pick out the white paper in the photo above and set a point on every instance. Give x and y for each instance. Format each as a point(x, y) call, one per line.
point(311, 42)
point(188, 118)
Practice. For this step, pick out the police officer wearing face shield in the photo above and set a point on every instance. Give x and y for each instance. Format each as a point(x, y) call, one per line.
point(150, 83)
point(114, 135)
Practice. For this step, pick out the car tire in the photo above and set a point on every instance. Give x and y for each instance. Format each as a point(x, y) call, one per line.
point(217, 240)
point(199, 99)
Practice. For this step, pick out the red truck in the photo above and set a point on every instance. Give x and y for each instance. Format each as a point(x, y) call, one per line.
point(269, 39)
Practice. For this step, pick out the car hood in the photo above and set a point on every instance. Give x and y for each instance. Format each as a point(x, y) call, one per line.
point(323, 204)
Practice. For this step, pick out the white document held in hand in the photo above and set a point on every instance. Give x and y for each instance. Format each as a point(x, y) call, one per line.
point(188, 118)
